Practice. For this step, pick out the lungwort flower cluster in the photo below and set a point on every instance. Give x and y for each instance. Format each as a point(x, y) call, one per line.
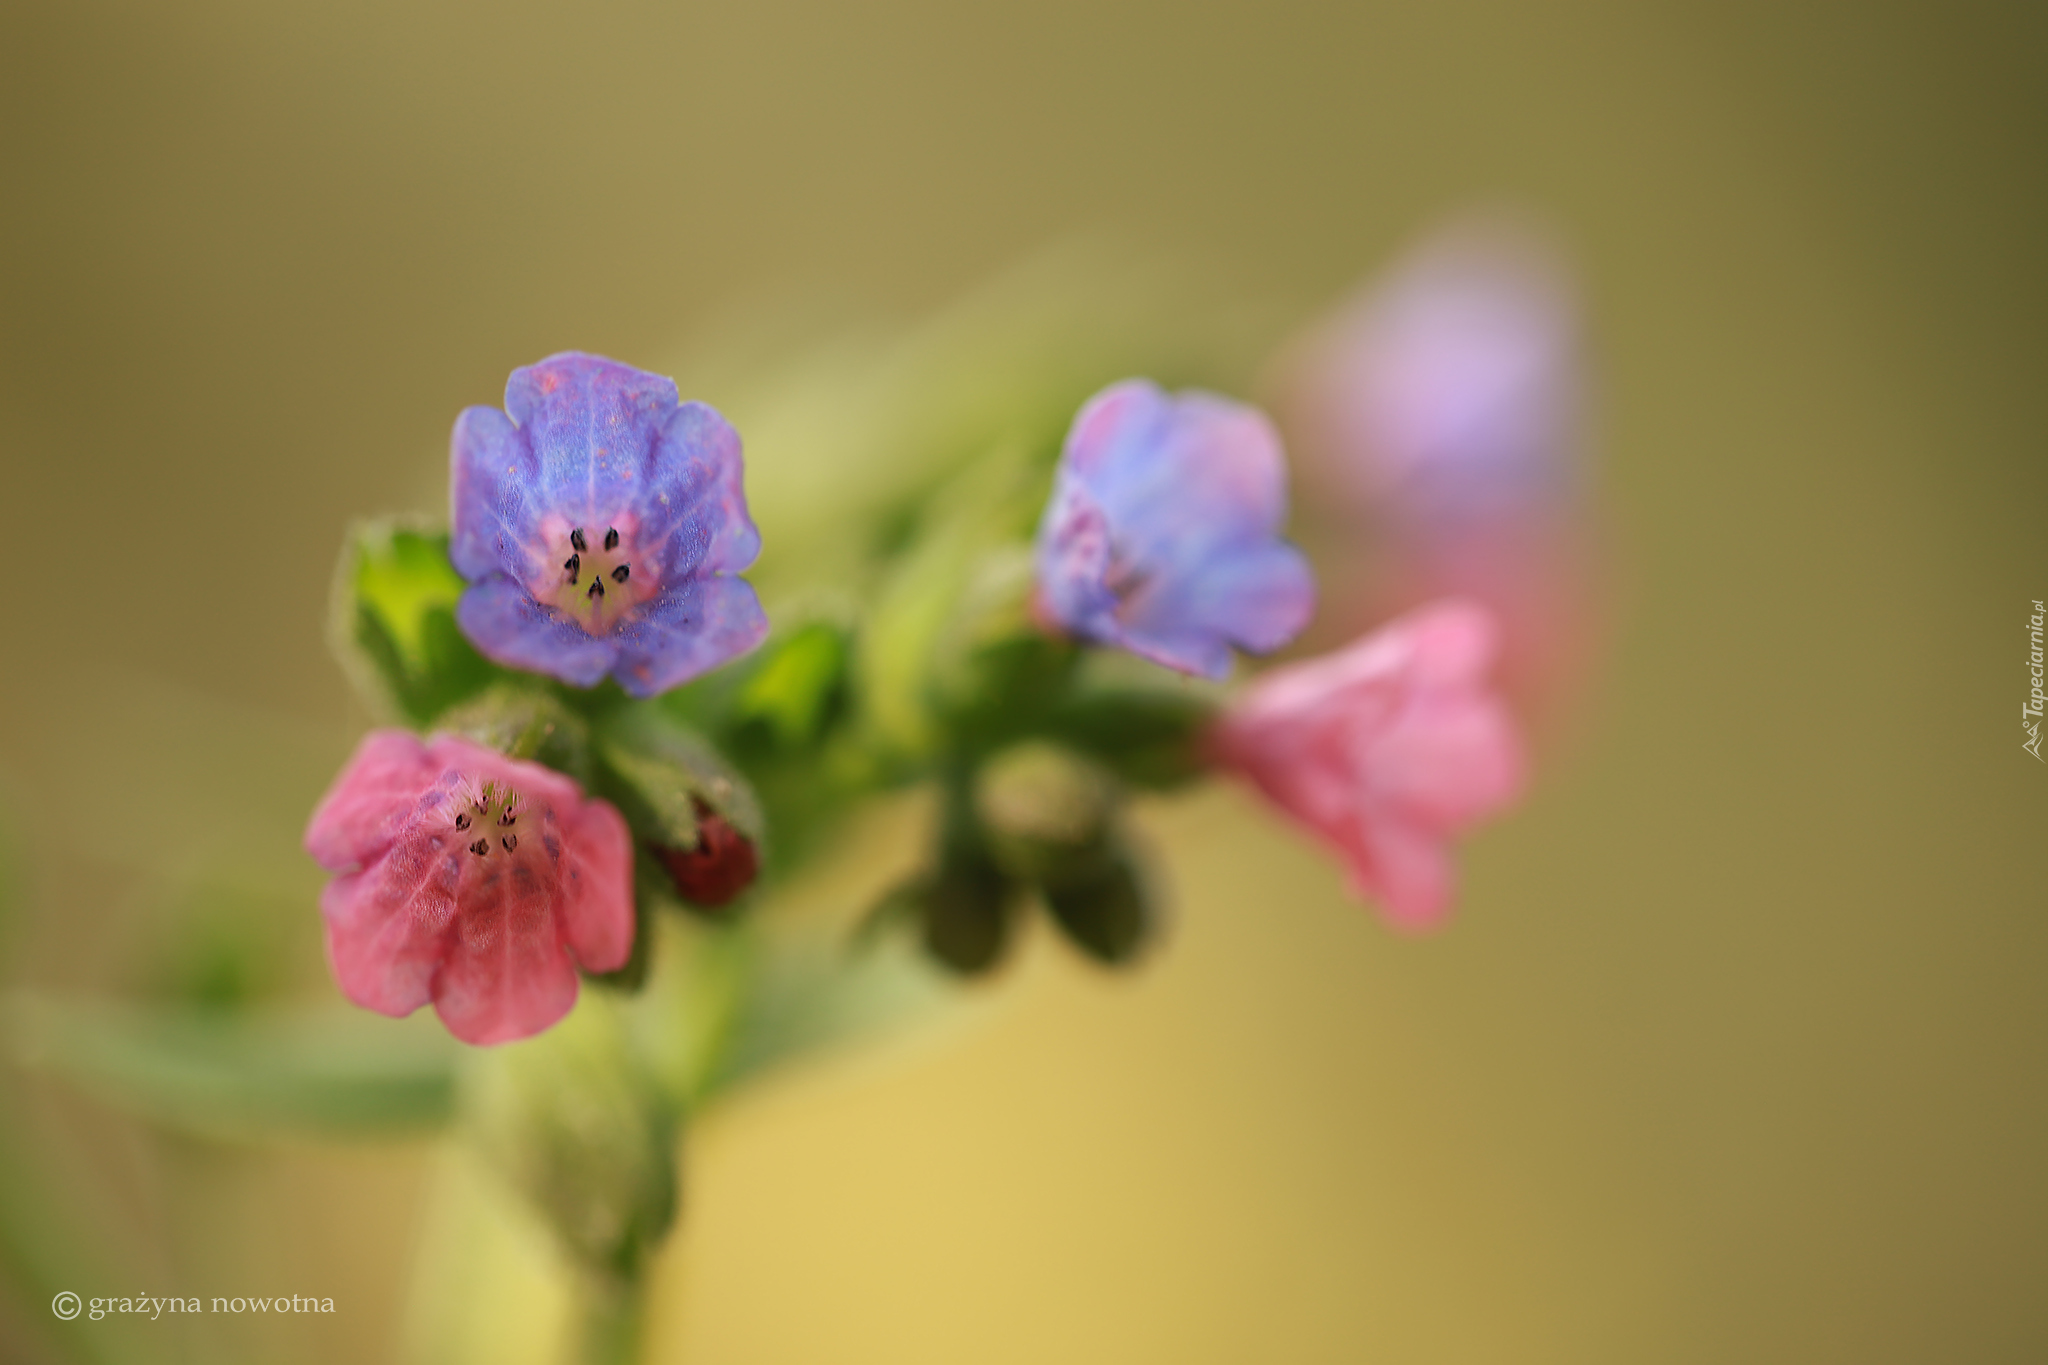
point(1162, 538)
point(574, 778)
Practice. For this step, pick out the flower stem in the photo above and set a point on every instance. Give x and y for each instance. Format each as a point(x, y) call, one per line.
point(612, 1313)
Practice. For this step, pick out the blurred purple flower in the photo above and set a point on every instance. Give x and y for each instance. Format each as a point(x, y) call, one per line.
point(1162, 536)
point(1438, 417)
point(1451, 391)
point(597, 518)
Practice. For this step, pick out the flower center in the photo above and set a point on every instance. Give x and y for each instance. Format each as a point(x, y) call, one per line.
point(489, 820)
point(1127, 579)
point(595, 581)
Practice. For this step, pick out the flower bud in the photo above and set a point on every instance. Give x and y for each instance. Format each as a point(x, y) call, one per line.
point(1046, 812)
point(1106, 914)
point(962, 908)
point(695, 816)
point(722, 865)
point(967, 908)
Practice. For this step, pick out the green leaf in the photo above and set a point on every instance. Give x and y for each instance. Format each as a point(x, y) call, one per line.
point(751, 997)
point(798, 687)
point(243, 1076)
point(393, 623)
point(801, 1001)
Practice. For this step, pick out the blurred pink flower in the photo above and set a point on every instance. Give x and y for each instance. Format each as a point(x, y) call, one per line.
point(1387, 749)
point(474, 880)
point(1438, 421)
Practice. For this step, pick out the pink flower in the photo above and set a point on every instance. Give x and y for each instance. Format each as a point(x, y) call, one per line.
point(474, 880)
point(1388, 749)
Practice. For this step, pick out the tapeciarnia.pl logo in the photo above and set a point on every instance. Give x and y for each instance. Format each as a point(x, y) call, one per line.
point(2030, 714)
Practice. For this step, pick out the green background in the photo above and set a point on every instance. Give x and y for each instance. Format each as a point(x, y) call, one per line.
point(1736, 1050)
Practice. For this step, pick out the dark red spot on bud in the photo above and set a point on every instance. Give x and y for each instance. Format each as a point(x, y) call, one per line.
point(723, 864)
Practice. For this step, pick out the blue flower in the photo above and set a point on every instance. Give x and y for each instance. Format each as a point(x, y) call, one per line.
point(597, 518)
point(1162, 536)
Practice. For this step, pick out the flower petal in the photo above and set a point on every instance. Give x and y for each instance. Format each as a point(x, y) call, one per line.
point(387, 926)
point(506, 975)
point(492, 479)
point(1450, 762)
point(1406, 870)
point(687, 630)
point(693, 510)
point(1206, 472)
point(1258, 597)
point(371, 796)
point(597, 888)
point(591, 423)
point(1186, 649)
point(508, 627)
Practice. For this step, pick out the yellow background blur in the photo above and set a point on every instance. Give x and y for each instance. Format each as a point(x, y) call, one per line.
point(1736, 1050)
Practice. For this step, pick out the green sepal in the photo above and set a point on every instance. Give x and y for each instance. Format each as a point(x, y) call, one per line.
point(658, 773)
point(525, 722)
point(995, 673)
point(244, 1076)
point(392, 621)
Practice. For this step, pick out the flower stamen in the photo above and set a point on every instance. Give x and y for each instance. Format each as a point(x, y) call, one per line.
point(592, 603)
